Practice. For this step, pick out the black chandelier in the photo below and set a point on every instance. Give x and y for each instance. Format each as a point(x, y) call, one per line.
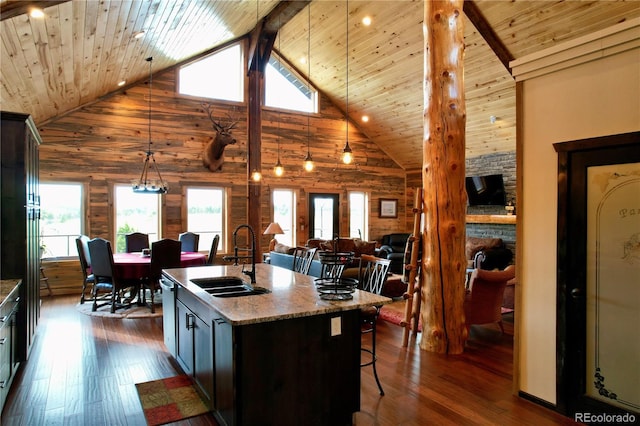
point(144, 185)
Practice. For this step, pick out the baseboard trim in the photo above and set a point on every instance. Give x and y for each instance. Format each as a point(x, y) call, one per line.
point(538, 401)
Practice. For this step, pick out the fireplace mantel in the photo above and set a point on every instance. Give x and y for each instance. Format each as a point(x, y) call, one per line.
point(492, 218)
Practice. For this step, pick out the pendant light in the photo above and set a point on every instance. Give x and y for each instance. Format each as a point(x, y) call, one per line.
point(278, 170)
point(145, 185)
point(308, 161)
point(347, 154)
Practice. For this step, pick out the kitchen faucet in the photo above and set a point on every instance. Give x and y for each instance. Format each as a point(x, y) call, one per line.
point(252, 249)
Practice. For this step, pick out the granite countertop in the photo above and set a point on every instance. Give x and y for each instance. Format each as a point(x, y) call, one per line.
point(292, 295)
point(6, 287)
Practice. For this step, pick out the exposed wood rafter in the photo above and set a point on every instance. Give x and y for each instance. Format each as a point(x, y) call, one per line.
point(264, 34)
point(478, 20)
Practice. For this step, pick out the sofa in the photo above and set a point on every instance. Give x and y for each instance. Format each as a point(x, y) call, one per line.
point(282, 255)
point(392, 247)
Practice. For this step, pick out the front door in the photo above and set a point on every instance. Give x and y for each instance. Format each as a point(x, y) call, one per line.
point(324, 217)
point(598, 373)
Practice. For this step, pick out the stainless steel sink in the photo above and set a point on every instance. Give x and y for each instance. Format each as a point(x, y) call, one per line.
point(246, 291)
point(217, 282)
point(227, 287)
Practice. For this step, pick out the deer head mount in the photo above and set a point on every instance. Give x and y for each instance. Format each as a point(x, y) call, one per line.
point(213, 154)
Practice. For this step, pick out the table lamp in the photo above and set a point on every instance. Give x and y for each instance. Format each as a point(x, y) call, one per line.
point(273, 229)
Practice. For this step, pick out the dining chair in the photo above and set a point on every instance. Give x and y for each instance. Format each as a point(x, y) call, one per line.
point(164, 254)
point(189, 241)
point(211, 259)
point(85, 265)
point(484, 297)
point(374, 272)
point(136, 241)
point(302, 258)
point(107, 286)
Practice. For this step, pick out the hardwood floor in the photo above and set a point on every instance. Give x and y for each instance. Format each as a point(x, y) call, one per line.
point(82, 371)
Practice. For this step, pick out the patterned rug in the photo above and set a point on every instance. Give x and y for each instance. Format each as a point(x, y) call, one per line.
point(169, 400)
point(132, 312)
point(394, 313)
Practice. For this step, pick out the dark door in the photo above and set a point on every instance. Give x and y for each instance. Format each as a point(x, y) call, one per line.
point(324, 216)
point(598, 264)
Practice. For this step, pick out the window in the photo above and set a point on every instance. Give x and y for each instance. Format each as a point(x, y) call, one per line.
point(217, 76)
point(284, 214)
point(284, 89)
point(135, 213)
point(206, 215)
point(358, 215)
point(60, 218)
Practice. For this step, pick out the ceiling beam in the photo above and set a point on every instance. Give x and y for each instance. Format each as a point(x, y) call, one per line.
point(13, 8)
point(264, 34)
point(479, 21)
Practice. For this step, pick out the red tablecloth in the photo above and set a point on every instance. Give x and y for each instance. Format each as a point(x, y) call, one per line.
point(135, 266)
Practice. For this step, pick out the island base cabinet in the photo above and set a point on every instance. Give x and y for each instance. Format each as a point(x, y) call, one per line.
point(194, 346)
point(288, 372)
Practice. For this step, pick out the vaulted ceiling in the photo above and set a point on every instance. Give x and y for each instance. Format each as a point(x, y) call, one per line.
point(80, 50)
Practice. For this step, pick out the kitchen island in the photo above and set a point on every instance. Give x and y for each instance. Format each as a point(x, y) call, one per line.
point(282, 357)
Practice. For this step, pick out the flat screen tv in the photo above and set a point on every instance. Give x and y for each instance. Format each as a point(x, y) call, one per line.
point(485, 190)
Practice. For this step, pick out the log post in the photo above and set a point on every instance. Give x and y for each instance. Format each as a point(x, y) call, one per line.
point(443, 243)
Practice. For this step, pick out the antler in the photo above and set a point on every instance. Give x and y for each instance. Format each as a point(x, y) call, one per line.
point(217, 125)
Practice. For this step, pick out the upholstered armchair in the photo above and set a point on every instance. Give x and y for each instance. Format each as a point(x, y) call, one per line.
point(485, 293)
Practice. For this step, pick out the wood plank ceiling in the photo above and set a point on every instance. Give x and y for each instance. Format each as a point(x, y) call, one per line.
point(81, 49)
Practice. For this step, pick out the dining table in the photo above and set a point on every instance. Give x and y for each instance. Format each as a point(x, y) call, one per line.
point(136, 265)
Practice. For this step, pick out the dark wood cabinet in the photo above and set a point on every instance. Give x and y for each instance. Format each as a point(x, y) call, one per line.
point(287, 372)
point(8, 337)
point(194, 342)
point(20, 227)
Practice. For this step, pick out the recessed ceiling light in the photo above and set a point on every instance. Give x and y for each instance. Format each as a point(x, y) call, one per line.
point(303, 60)
point(138, 34)
point(122, 83)
point(366, 20)
point(36, 13)
point(365, 118)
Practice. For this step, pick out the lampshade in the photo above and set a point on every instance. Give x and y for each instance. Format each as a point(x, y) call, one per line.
point(273, 228)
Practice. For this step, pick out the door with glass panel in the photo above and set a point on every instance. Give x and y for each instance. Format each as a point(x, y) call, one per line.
point(324, 216)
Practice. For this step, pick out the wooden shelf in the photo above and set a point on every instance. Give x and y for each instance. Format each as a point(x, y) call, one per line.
point(492, 218)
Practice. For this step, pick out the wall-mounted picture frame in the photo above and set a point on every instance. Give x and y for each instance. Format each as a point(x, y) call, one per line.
point(388, 208)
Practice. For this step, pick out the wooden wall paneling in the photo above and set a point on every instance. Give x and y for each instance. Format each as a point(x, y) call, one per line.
point(104, 143)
